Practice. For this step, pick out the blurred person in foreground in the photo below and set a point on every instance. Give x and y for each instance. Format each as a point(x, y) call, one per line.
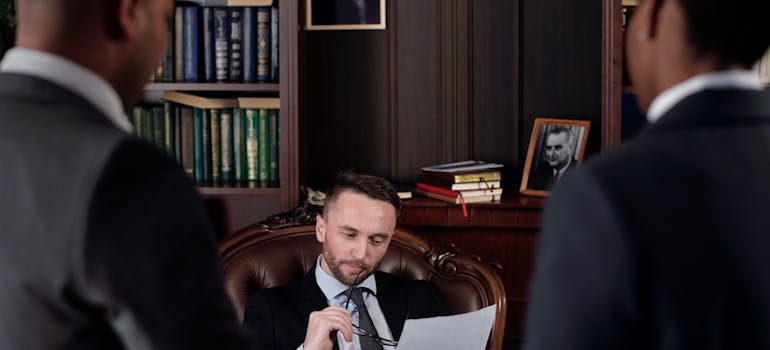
point(665, 242)
point(105, 243)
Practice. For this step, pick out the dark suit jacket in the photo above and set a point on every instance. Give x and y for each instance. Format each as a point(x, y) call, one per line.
point(665, 242)
point(278, 317)
point(105, 243)
point(542, 176)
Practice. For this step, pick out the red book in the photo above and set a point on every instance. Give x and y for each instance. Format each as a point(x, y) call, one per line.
point(439, 190)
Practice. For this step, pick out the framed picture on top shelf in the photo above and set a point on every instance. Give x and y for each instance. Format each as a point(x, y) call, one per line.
point(345, 14)
point(556, 147)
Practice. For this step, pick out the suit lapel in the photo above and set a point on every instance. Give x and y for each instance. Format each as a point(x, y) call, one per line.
point(393, 303)
point(309, 298)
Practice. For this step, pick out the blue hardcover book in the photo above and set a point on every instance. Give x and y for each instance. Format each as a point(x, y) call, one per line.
point(274, 41)
point(221, 43)
point(198, 143)
point(209, 69)
point(236, 44)
point(263, 44)
point(190, 44)
point(250, 44)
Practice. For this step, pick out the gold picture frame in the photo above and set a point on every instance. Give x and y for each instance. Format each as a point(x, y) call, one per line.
point(555, 147)
point(345, 14)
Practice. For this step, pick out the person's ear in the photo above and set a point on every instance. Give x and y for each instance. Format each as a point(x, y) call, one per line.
point(648, 23)
point(320, 228)
point(122, 18)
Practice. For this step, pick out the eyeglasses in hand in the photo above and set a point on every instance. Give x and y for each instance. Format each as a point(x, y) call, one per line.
point(362, 332)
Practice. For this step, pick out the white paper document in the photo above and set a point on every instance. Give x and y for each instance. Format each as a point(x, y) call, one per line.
point(468, 331)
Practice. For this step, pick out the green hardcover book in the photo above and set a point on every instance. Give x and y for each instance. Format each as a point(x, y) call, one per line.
point(264, 143)
point(148, 129)
point(177, 115)
point(187, 141)
point(206, 146)
point(239, 145)
point(252, 145)
point(168, 129)
point(136, 120)
point(159, 126)
point(274, 154)
point(226, 147)
point(216, 146)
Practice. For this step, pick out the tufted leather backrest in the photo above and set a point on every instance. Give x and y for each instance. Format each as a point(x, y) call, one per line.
point(254, 258)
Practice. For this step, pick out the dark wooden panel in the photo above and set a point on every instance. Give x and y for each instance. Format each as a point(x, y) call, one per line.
point(561, 69)
point(495, 88)
point(346, 110)
point(512, 249)
point(418, 77)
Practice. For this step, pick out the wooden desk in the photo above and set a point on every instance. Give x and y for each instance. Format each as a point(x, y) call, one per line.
point(504, 232)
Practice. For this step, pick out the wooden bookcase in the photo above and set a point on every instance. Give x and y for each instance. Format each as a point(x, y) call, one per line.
point(241, 205)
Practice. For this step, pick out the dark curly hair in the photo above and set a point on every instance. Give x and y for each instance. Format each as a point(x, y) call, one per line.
point(735, 30)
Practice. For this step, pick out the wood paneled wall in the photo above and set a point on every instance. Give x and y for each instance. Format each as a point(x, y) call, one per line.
point(438, 85)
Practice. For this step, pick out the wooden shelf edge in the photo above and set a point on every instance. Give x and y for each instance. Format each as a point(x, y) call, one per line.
point(219, 191)
point(630, 2)
point(248, 87)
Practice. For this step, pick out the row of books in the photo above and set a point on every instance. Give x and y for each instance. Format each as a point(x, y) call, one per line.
point(215, 146)
point(221, 44)
point(461, 182)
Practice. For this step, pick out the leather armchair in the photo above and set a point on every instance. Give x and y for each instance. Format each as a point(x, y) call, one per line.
point(255, 258)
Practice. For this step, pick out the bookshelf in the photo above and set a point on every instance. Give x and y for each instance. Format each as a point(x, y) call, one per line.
point(246, 205)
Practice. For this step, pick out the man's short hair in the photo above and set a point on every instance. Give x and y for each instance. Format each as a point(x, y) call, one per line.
point(371, 186)
point(735, 30)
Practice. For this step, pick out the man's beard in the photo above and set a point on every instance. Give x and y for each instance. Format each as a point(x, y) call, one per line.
point(336, 268)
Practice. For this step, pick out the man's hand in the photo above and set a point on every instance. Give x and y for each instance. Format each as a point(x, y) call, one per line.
point(322, 326)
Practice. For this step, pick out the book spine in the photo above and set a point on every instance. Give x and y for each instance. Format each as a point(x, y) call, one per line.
point(438, 190)
point(264, 143)
point(178, 44)
point(274, 41)
point(221, 38)
point(239, 150)
point(274, 175)
point(250, 44)
point(236, 44)
point(136, 119)
point(177, 115)
point(209, 68)
point(189, 143)
point(216, 144)
point(148, 129)
point(206, 146)
point(168, 121)
point(159, 126)
point(198, 152)
point(226, 138)
point(252, 145)
point(191, 40)
point(477, 177)
point(165, 71)
point(263, 44)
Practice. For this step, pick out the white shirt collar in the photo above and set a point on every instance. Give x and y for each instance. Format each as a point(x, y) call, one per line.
point(736, 78)
point(332, 287)
point(70, 75)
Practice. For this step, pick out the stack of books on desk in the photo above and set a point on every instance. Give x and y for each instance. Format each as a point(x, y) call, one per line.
point(461, 182)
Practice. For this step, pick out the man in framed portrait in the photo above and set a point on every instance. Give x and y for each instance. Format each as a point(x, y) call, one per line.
point(558, 157)
point(345, 12)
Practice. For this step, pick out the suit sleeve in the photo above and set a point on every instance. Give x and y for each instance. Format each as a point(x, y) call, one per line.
point(581, 296)
point(150, 261)
point(258, 320)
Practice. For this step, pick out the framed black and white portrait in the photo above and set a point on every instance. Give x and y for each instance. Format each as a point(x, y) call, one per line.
point(345, 14)
point(556, 147)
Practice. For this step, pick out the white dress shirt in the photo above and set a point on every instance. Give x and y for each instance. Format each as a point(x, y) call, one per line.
point(729, 79)
point(334, 291)
point(70, 75)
